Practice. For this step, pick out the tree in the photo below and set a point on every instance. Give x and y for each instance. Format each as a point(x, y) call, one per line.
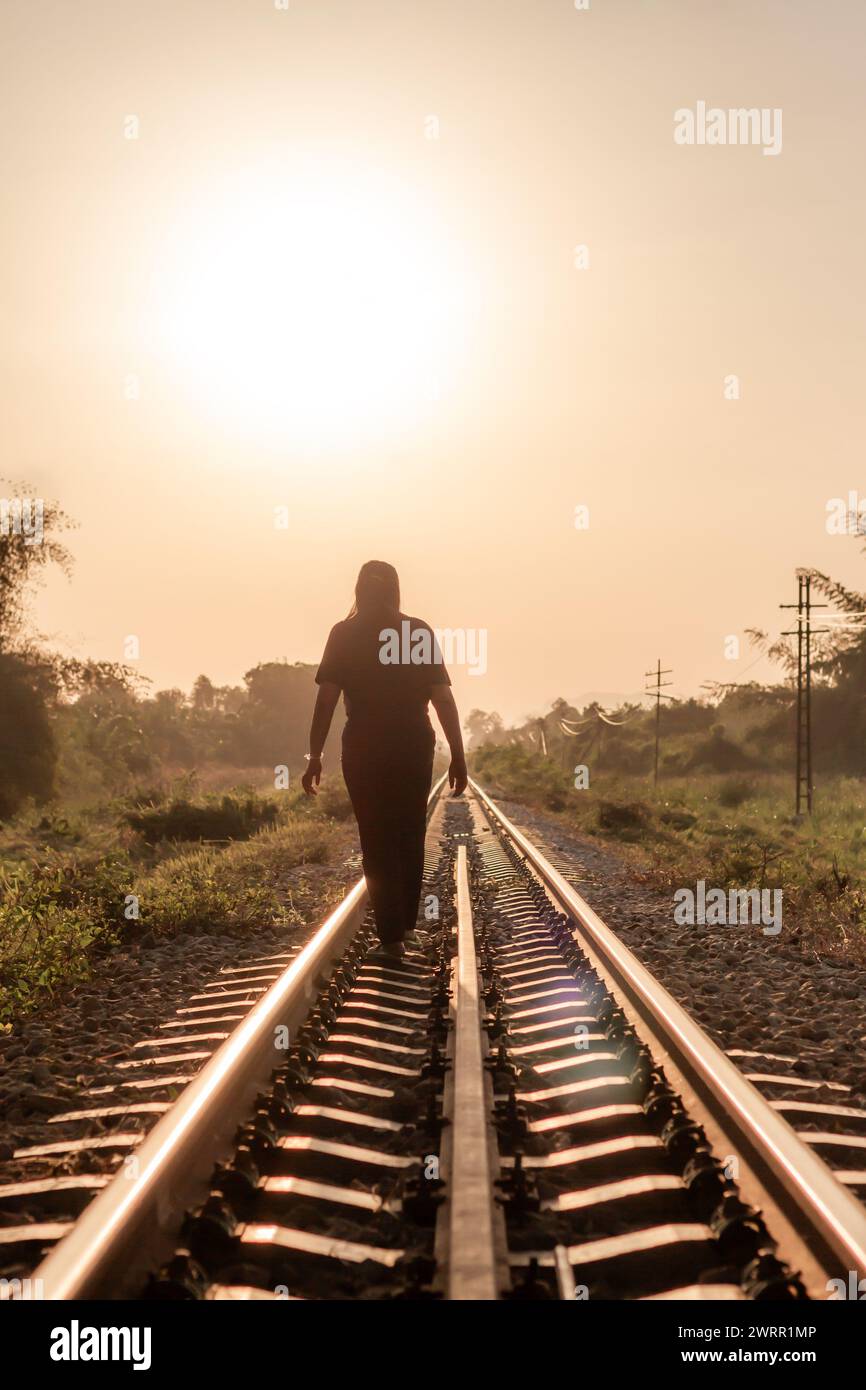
point(203, 693)
point(28, 543)
point(272, 724)
point(28, 752)
point(838, 676)
point(28, 681)
point(38, 687)
point(483, 727)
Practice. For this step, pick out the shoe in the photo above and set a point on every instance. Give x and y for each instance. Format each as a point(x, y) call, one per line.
point(392, 949)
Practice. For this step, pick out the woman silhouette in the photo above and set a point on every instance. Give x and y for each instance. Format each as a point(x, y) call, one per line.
point(388, 667)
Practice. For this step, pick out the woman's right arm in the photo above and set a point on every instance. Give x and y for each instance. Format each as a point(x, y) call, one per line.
point(442, 700)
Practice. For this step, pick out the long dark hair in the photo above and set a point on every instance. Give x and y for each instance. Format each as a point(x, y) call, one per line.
point(377, 589)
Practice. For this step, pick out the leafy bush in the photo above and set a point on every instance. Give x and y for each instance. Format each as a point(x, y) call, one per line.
point(618, 816)
point(718, 754)
point(53, 920)
point(150, 796)
point(674, 763)
point(28, 753)
point(632, 756)
point(678, 819)
point(231, 818)
point(735, 791)
point(687, 717)
point(51, 917)
point(515, 771)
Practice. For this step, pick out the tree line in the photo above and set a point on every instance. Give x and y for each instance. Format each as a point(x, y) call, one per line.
point(95, 726)
point(73, 725)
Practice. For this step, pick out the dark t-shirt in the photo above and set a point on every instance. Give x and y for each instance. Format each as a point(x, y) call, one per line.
point(386, 666)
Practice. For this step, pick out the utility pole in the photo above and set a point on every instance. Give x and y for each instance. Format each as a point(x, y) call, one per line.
point(657, 691)
point(803, 633)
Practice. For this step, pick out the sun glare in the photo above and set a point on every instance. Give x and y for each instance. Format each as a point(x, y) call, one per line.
point(313, 302)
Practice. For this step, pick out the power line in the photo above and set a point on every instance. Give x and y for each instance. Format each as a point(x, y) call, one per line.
point(571, 726)
point(617, 723)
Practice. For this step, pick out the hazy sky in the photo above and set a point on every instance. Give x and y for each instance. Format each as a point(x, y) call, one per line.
point(324, 260)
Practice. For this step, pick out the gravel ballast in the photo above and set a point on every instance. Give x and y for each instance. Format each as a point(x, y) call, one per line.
point(750, 991)
point(74, 1042)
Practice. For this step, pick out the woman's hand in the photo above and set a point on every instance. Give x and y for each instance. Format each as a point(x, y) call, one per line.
point(458, 776)
point(312, 777)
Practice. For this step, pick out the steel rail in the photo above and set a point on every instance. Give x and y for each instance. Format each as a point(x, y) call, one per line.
point(132, 1224)
point(802, 1186)
point(472, 1272)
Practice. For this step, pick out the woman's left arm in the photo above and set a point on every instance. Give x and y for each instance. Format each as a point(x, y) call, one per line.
point(442, 700)
point(326, 703)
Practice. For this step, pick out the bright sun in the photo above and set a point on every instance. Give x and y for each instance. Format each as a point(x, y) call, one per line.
point(313, 302)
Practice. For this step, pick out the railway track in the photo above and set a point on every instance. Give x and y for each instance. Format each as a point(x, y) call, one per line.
point(822, 1110)
point(516, 1110)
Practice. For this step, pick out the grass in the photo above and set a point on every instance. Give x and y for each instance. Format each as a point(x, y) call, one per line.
point(732, 829)
point(228, 818)
point(72, 889)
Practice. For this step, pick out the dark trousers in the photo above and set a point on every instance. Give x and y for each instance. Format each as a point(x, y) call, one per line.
point(388, 777)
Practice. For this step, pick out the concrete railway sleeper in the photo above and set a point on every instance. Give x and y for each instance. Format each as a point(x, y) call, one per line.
point(515, 1110)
